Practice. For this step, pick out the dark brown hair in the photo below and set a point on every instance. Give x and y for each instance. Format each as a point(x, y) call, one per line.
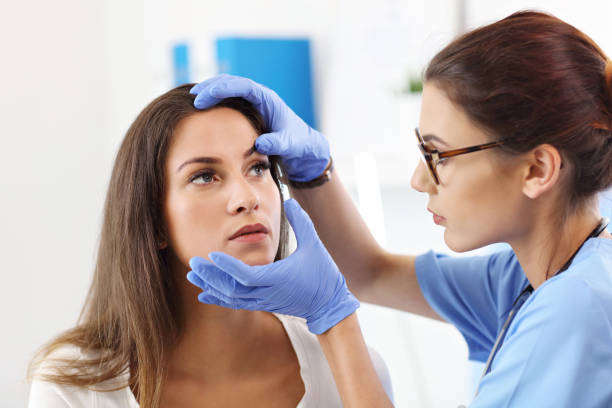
point(532, 79)
point(132, 314)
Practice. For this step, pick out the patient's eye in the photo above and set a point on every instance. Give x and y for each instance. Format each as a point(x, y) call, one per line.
point(203, 177)
point(260, 168)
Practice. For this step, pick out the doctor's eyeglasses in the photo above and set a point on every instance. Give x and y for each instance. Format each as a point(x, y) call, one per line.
point(433, 157)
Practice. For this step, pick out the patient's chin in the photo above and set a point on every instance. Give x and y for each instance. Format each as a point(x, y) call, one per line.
point(256, 259)
point(261, 255)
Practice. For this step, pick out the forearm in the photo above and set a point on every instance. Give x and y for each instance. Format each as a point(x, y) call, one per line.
point(372, 274)
point(343, 231)
point(354, 373)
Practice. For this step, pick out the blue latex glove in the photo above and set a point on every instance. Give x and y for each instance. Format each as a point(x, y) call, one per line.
point(306, 284)
point(303, 151)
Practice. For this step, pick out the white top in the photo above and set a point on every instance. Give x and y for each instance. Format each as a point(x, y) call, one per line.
point(320, 388)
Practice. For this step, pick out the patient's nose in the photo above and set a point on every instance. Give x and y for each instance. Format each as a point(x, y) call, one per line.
point(244, 198)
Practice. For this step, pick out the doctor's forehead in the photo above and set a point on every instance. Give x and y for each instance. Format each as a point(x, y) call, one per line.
point(441, 119)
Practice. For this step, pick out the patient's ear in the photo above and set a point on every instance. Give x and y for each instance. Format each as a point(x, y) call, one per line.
point(542, 170)
point(162, 240)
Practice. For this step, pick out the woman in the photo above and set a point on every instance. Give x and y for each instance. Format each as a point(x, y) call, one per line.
point(516, 139)
point(185, 181)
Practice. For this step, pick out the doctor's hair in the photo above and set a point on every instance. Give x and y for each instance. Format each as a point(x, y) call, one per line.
point(532, 79)
point(132, 314)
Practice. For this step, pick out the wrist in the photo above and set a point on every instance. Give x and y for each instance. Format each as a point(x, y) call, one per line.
point(318, 181)
point(333, 314)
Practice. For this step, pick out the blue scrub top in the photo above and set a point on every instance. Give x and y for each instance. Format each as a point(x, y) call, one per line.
point(558, 349)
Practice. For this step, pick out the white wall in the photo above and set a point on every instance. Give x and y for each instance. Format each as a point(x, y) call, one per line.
point(54, 164)
point(76, 73)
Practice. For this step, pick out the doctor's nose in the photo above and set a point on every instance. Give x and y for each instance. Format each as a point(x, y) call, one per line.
point(244, 198)
point(421, 180)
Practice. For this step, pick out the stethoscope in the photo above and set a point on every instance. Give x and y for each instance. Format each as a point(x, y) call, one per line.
point(520, 300)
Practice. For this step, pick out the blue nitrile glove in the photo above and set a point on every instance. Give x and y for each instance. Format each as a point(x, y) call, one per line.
point(306, 284)
point(303, 151)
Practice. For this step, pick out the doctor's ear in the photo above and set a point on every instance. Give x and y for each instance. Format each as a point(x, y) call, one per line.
point(542, 170)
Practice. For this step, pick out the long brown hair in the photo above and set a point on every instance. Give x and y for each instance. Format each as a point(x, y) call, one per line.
point(532, 79)
point(132, 314)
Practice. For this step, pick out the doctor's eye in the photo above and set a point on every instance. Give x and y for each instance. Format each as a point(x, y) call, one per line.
point(260, 168)
point(442, 161)
point(203, 177)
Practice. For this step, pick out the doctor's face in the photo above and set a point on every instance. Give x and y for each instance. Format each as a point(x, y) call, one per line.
point(220, 195)
point(479, 199)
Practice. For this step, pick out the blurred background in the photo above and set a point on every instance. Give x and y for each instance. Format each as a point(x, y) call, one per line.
point(75, 73)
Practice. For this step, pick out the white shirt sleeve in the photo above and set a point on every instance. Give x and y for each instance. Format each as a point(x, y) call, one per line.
point(46, 395)
point(383, 372)
point(320, 387)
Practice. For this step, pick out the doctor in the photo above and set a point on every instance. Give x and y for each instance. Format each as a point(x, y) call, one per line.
point(515, 135)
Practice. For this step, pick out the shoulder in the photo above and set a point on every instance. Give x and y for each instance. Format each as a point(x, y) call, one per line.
point(560, 336)
point(579, 300)
point(585, 286)
point(488, 283)
point(44, 392)
point(61, 356)
point(500, 267)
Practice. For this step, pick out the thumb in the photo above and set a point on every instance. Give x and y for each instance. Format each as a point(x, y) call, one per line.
point(197, 263)
point(273, 144)
point(300, 222)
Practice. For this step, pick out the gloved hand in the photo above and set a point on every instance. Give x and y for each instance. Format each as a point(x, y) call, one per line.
point(306, 284)
point(303, 151)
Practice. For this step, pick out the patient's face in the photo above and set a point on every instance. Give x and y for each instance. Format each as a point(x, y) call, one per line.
point(216, 185)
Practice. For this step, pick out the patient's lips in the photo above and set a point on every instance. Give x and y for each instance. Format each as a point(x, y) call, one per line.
point(250, 233)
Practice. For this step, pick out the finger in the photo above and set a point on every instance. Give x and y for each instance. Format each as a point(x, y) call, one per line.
point(300, 222)
point(197, 262)
point(215, 296)
point(206, 288)
point(196, 280)
point(247, 275)
point(227, 87)
point(229, 299)
point(196, 89)
point(206, 274)
point(273, 144)
point(238, 87)
point(205, 97)
point(205, 100)
point(213, 300)
point(214, 277)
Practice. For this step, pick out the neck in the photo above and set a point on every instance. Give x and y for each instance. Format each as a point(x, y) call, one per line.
point(216, 342)
point(548, 246)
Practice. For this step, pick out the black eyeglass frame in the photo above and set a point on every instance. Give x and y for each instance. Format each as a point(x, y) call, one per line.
point(432, 158)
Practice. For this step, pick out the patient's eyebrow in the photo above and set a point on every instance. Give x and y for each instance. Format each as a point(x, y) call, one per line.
point(209, 160)
point(249, 152)
point(213, 160)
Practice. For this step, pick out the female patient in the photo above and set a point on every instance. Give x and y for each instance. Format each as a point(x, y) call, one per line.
point(185, 182)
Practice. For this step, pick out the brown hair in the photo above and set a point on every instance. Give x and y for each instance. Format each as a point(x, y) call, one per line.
point(132, 312)
point(532, 79)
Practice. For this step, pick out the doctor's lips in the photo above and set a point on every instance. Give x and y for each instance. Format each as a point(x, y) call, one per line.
point(250, 233)
point(437, 219)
